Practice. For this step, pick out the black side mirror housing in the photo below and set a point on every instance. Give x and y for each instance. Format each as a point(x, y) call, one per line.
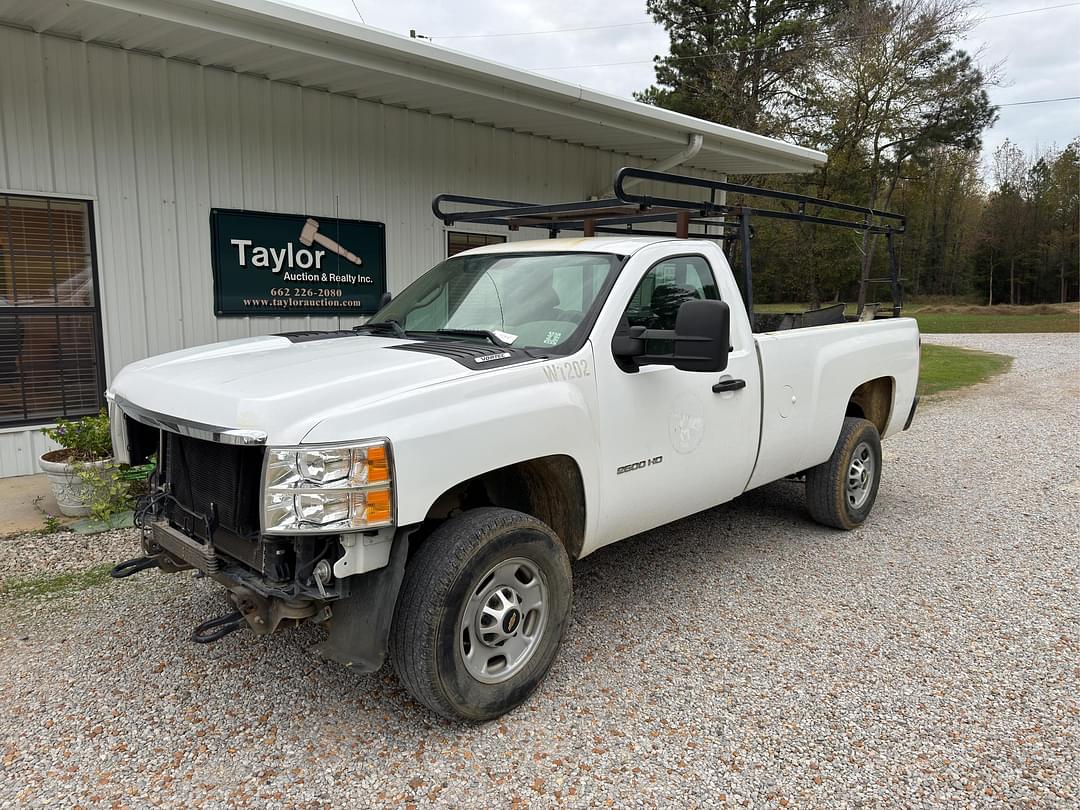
point(385, 299)
point(629, 346)
point(702, 336)
point(701, 340)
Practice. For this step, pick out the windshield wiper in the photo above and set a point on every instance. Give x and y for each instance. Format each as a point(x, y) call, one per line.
point(484, 333)
point(384, 326)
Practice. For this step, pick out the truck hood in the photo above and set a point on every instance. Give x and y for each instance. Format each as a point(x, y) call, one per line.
point(275, 385)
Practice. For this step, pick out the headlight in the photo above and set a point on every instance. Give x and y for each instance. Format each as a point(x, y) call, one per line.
point(327, 488)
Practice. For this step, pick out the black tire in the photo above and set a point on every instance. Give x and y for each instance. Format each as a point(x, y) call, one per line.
point(426, 645)
point(827, 494)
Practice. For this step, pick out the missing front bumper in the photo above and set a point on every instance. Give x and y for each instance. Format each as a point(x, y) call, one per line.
point(263, 613)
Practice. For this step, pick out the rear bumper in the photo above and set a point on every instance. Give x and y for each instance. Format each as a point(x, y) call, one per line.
point(911, 416)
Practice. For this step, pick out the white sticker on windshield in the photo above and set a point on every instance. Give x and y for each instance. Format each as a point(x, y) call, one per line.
point(553, 338)
point(505, 337)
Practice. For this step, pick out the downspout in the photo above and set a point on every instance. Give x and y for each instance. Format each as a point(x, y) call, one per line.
point(693, 146)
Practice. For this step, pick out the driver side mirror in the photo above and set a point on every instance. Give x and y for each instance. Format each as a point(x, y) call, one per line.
point(701, 339)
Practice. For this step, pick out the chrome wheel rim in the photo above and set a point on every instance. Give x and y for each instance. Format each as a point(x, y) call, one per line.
point(503, 620)
point(860, 476)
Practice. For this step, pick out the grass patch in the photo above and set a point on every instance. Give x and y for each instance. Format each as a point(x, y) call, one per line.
point(56, 584)
point(946, 368)
point(985, 319)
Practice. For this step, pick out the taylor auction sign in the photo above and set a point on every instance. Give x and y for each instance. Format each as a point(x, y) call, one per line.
point(284, 264)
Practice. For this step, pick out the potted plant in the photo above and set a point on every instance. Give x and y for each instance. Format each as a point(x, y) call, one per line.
point(85, 455)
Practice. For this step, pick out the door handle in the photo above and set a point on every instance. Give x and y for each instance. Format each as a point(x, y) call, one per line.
point(728, 385)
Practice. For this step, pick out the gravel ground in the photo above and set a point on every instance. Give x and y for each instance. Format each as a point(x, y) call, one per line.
point(42, 555)
point(743, 655)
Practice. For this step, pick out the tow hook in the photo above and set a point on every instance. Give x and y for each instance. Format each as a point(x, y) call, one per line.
point(132, 566)
point(215, 629)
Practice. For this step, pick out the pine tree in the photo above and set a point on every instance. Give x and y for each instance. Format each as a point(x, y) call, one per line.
point(737, 63)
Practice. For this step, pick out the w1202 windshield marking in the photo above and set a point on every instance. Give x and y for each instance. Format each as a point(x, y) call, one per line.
point(570, 370)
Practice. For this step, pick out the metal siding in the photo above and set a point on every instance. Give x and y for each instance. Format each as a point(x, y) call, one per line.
point(157, 143)
point(192, 185)
point(118, 215)
point(20, 450)
point(25, 129)
point(68, 113)
point(152, 132)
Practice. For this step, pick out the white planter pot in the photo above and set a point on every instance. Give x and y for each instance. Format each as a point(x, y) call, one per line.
point(71, 493)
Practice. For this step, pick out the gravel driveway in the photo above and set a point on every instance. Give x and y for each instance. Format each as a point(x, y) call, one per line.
point(742, 655)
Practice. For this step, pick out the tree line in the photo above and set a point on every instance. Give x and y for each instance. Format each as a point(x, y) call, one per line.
point(883, 89)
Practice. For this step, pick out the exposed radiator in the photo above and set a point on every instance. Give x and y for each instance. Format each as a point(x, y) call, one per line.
point(215, 484)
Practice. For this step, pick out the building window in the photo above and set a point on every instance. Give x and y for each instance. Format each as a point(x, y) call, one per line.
point(50, 319)
point(457, 241)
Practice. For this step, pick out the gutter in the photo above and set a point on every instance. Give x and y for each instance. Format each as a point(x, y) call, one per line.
point(693, 146)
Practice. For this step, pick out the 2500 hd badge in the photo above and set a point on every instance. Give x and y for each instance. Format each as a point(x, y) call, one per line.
point(639, 465)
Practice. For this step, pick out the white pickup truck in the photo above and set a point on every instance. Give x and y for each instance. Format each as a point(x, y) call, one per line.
point(422, 483)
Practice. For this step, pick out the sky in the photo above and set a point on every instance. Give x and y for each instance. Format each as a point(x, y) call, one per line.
point(1036, 55)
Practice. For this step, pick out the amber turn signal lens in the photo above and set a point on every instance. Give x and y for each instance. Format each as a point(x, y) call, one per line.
point(378, 465)
point(378, 506)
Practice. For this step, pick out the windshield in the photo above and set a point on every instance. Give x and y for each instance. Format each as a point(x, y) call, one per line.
point(533, 300)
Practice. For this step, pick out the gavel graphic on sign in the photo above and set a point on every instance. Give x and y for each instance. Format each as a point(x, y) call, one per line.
point(310, 234)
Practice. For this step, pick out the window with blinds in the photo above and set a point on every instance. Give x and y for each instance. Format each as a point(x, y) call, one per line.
point(457, 241)
point(50, 319)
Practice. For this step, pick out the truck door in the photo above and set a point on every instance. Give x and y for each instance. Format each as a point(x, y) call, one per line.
point(669, 445)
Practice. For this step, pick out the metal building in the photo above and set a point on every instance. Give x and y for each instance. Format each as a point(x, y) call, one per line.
point(127, 125)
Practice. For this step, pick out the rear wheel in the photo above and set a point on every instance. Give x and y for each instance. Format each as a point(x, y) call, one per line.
point(841, 491)
point(481, 613)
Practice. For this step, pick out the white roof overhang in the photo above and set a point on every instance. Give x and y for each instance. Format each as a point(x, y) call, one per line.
point(298, 46)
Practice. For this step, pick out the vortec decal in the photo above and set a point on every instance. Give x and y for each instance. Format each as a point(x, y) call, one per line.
point(639, 465)
point(487, 358)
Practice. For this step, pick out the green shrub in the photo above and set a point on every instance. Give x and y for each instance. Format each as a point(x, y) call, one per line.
point(109, 494)
point(109, 489)
point(85, 439)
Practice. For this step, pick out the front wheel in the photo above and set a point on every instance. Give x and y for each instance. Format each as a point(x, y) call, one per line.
point(481, 613)
point(841, 491)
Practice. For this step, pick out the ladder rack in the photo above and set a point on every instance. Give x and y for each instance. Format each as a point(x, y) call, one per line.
point(693, 216)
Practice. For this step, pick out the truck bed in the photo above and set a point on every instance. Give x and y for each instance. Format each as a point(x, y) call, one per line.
point(782, 321)
point(808, 376)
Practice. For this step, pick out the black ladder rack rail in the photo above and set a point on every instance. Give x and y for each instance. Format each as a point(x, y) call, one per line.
point(597, 216)
point(884, 224)
point(627, 211)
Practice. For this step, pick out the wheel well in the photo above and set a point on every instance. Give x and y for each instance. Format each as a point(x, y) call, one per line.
point(548, 488)
point(873, 401)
